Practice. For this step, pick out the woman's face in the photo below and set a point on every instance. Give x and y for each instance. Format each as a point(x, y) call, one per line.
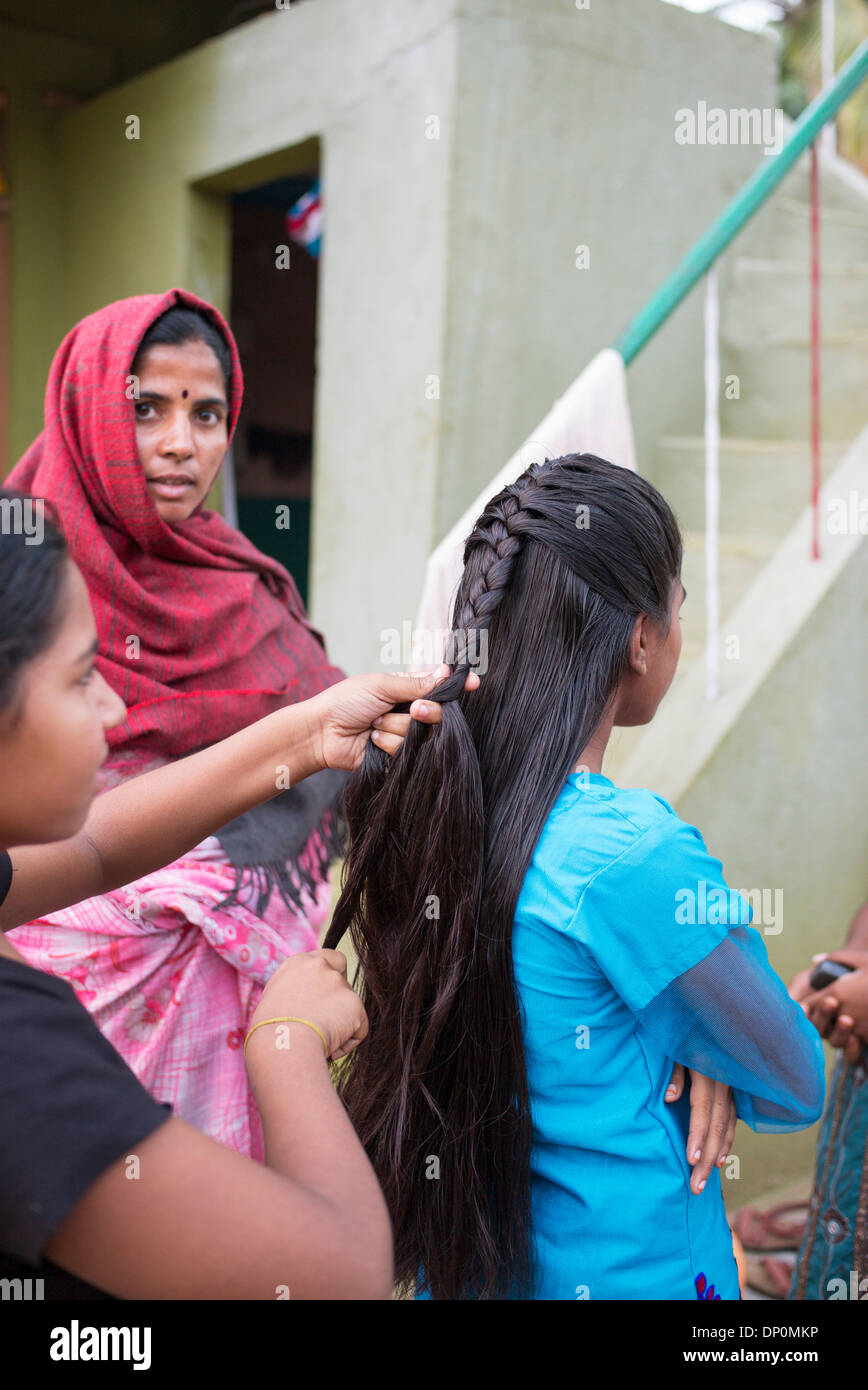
point(53, 750)
point(181, 425)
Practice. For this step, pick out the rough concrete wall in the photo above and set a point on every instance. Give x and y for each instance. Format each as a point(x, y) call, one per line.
point(383, 291)
point(782, 804)
point(564, 135)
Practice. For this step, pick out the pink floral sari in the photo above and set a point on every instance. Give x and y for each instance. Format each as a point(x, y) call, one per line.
point(172, 981)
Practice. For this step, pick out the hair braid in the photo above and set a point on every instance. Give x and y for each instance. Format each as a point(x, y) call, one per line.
point(490, 555)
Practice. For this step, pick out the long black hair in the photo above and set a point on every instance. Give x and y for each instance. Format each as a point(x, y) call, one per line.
point(556, 570)
point(32, 556)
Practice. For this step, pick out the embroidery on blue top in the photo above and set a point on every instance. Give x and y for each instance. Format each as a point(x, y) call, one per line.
point(703, 1289)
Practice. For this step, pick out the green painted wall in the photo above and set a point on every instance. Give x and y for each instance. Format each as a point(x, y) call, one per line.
point(30, 66)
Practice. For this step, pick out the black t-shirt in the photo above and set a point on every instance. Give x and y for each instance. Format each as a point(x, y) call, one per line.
point(70, 1107)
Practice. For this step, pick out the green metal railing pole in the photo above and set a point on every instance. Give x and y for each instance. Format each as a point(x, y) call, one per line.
point(743, 206)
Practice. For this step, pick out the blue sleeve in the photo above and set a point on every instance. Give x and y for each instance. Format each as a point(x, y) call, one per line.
point(730, 1018)
point(674, 941)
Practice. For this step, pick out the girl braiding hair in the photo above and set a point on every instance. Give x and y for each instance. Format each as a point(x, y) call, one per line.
point(556, 570)
point(207, 1222)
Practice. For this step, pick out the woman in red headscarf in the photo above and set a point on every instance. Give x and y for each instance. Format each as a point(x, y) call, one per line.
point(199, 633)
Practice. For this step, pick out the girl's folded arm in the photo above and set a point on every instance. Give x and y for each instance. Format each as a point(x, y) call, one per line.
point(672, 937)
point(730, 1017)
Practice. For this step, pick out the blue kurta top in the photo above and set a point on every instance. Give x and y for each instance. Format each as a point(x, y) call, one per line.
point(630, 953)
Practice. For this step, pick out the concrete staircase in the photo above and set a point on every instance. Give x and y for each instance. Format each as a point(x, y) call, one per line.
point(765, 461)
point(766, 615)
point(774, 771)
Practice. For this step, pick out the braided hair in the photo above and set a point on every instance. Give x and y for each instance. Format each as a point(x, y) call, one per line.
point(556, 570)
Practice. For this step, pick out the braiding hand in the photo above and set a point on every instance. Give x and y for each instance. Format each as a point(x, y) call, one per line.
point(347, 711)
point(390, 730)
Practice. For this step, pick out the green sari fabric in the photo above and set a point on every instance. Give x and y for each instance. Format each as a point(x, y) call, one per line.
point(833, 1260)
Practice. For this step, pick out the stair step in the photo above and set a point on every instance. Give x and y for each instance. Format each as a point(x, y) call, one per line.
point(850, 217)
point(782, 225)
point(798, 266)
point(774, 376)
point(740, 559)
point(671, 753)
point(764, 484)
point(769, 301)
point(842, 185)
point(847, 337)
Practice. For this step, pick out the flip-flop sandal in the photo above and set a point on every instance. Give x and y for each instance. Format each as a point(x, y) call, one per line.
point(770, 1276)
point(765, 1230)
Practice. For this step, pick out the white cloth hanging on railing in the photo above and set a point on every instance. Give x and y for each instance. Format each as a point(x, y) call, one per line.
point(712, 485)
point(593, 417)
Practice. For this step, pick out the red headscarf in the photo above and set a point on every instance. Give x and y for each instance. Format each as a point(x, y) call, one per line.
point(223, 636)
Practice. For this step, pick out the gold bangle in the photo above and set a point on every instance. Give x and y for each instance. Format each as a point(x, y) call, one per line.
point(306, 1021)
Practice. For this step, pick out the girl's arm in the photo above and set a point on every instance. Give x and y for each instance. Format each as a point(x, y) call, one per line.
point(672, 937)
point(154, 819)
point(730, 1017)
point(200, 1221)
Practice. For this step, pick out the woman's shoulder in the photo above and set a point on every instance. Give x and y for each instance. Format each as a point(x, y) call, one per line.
point(607, 841)
point(641, 908)
point(623, 820)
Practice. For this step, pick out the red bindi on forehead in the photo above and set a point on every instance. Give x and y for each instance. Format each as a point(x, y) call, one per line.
point(184, 395)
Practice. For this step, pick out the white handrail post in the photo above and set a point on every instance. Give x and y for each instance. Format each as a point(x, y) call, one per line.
point(712, 484)
point(827, 71)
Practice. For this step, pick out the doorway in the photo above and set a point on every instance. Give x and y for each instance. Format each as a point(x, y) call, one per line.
point(273, 316)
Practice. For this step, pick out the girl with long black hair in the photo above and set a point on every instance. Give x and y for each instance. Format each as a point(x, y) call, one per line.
point(104, 1192)
point(538, 946)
